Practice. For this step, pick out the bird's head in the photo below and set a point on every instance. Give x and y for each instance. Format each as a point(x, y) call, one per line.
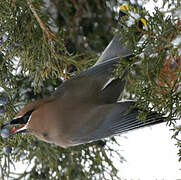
point(24, 117)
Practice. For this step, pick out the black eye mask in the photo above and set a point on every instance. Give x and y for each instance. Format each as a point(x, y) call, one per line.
point(22, 120)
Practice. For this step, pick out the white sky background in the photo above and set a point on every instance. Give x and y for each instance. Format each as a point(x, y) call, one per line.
point(150, 153)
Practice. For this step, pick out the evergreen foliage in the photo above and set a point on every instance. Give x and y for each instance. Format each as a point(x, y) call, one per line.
point(45, 42)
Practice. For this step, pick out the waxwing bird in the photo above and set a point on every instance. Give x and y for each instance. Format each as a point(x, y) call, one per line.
point(85, 108)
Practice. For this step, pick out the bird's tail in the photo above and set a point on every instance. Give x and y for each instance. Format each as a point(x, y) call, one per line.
point(122, 117)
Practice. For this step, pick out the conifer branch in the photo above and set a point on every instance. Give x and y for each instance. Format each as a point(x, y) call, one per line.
point(50, 35)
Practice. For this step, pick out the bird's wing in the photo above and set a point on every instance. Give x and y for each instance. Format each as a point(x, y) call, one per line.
point(121, 118)
point(93, 84)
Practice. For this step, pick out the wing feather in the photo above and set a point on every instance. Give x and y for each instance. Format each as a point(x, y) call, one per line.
point(120, 119)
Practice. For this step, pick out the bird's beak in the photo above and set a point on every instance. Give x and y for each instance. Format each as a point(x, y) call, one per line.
point(21, 129)
point(16, 130)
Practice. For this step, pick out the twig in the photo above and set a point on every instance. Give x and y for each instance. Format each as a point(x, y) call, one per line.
point(13, 3)
point(48, 33)
point(51, 37)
